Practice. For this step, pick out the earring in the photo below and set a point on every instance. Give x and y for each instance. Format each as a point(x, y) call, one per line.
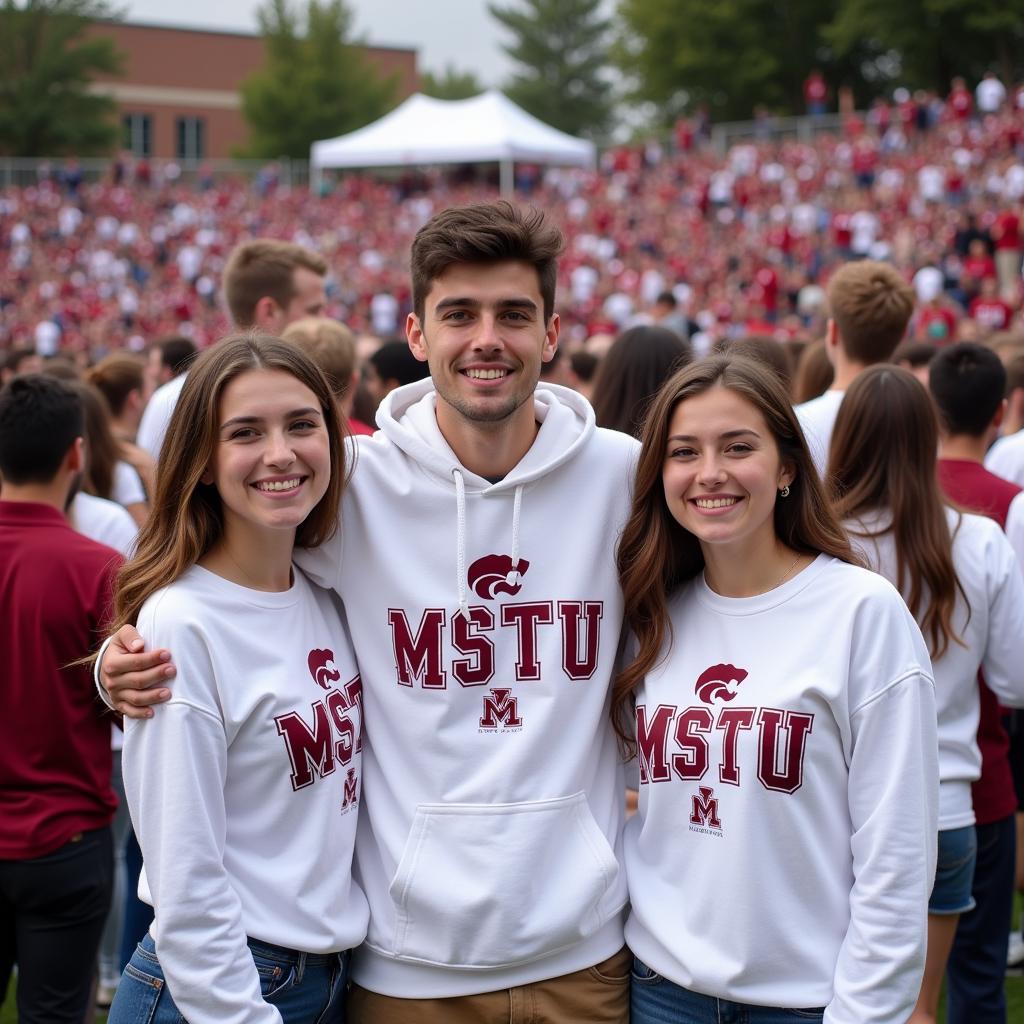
point(784, 493)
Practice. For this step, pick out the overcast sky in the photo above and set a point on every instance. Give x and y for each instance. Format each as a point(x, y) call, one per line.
point(459, 32)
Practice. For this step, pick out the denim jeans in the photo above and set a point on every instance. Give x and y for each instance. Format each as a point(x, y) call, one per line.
point(306, 988)
point(656, 1000)
point(975, 992)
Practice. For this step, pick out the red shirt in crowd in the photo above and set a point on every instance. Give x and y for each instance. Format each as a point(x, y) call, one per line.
point(992, 313)
point(972, 486)
point(1006, 231)
point(55, 588)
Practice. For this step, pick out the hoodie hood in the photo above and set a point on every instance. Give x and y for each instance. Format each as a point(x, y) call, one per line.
point(408, 418)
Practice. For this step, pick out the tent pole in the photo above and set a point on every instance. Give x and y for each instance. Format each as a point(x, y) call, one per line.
point(507, 178)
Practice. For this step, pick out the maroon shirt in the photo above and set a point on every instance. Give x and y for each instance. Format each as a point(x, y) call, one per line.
point(972, 486)
point(55, 588)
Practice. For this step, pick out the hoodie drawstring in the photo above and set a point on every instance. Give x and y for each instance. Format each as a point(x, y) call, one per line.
point(460, 555)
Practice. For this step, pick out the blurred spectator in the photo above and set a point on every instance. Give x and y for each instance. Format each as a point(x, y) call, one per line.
point(19, 361)
point(331, 345)
point(916, 356)
point(763, 348)
point(632, 373)
point(56, 803)
point(990, 94)
point(391, 366)
point(871, 306)
point(584, 368)
point(168, 358)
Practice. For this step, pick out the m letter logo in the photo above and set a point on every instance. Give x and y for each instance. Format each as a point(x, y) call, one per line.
point(500, 708)
point(705, 809)
point(350, 789)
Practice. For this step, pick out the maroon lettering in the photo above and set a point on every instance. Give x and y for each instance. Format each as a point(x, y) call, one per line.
point(692, 763)
point(500, 707)
point(310, 750)
point(705, 808)
point(730, 721)
point(348, 736)
point(580, 663)
point(526, 617)
point(478, 667)
point(782, 770)
point(652, 742)
point(418, 657)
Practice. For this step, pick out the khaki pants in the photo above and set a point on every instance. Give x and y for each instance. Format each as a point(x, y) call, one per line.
point(595, 995)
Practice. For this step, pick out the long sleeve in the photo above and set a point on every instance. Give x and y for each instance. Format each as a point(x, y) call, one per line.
point(175, 767)
point(893, 803)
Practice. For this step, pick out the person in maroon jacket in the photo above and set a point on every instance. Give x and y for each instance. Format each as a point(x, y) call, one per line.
point(967, 382)
point(56, 802)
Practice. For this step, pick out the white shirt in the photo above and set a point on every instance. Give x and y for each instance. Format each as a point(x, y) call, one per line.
point(818, 418)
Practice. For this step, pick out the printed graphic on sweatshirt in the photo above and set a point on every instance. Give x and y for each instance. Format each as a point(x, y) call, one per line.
point(685, 744)
point(495, 574)
point(329, 735)
point(569, 630)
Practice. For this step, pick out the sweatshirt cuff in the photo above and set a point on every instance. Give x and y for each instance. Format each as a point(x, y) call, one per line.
point(104, 696)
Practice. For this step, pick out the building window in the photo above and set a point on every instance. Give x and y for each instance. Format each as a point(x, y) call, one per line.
point(137, 133)
point(191, 132)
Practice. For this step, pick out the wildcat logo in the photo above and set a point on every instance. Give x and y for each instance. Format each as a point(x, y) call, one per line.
point(501, 710)
point(321, 668)
point(495, 574)
point(704, 813)
point(715, 682)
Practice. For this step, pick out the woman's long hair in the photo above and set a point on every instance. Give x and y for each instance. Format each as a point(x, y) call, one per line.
point(632, 372)
point(656, 555)
point(186, 518)
point(882, 459)
point(102, 452)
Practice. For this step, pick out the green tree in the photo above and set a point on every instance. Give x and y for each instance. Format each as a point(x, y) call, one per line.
point(731, 54)
point(924, 43)
point(316, 83)
point(47, 61)
point(560, 50)
point(451, 85)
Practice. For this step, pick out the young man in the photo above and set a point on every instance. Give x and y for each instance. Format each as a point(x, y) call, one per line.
point(267, 284)
point(56, 803)
point(967, 382)
point(478, 561)
point(871, 306)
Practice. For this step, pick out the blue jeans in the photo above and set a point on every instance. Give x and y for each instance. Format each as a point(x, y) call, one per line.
point(656, 1000)
point(306, 988)
point(975, 993)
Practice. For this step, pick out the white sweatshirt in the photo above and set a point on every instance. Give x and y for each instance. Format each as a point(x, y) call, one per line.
point(488, 847)
point(784, 847)
point(817, 420)
point(991, 628)
point(1006, 458)
point(156, 417)
point(244, 788)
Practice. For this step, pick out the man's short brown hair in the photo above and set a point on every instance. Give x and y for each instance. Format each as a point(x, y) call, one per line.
point(264, 268)
point(871, 305)
point(329, 344)
point(486, 233)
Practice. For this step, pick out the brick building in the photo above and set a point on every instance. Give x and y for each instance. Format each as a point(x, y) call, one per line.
point(179, 94)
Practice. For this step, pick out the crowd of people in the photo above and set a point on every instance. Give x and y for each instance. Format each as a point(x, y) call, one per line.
point(681, 615)
point(742, 241)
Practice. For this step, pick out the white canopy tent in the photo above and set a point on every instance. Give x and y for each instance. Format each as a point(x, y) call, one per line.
point(424, 131)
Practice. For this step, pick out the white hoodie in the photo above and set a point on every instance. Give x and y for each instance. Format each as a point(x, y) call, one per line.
point(486, 619)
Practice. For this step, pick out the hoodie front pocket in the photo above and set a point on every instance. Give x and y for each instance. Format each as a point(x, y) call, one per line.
point(493, 885)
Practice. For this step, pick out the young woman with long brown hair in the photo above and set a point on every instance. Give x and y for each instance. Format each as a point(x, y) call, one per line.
point(780, 702)
point(244, 788)
point(960, 580)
